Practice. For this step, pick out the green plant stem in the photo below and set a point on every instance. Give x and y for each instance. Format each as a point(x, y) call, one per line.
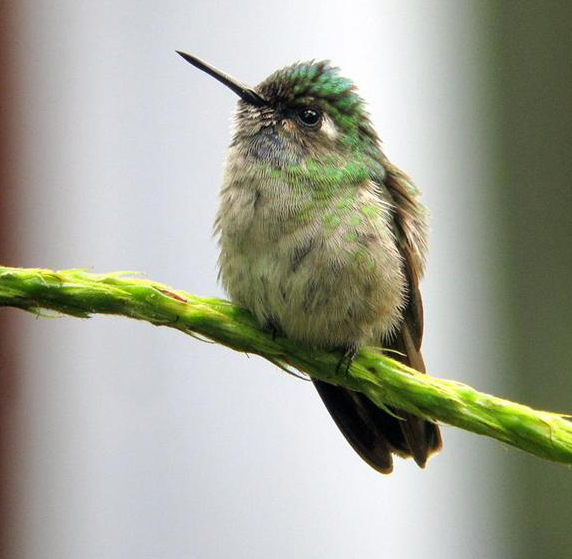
point(384, 380)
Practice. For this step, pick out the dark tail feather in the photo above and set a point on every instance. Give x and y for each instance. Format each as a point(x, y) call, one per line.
point(350, 412)
point(375, 434)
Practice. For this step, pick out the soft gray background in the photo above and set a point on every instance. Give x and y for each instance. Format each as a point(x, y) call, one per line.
point(139, 442)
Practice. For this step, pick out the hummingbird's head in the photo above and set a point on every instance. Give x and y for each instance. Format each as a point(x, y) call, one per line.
point(306, 110)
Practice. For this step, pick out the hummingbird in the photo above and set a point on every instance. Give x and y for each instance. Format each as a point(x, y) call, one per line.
point(324, 240)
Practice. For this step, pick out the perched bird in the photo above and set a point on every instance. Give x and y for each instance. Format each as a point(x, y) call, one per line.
point(324, 240)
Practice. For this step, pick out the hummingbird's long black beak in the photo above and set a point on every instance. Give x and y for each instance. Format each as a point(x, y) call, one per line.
point(244, 92)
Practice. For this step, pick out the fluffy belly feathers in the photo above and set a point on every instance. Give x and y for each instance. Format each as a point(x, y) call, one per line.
point(327, 276)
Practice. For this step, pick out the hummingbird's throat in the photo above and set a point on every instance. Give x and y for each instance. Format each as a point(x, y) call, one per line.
point(268, 146)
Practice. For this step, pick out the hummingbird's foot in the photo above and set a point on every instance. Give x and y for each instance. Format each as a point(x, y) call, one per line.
point(271, 326)
point(346, 360)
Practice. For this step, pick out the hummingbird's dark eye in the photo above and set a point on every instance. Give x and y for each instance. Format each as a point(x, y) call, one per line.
point(310, 118)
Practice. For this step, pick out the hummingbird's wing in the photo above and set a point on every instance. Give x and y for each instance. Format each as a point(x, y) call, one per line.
point(422, 437)
point(372, 432)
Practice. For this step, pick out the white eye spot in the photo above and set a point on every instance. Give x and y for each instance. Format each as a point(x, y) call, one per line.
point(329, 128)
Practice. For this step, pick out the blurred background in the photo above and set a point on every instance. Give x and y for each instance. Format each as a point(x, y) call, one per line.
point(121, 440)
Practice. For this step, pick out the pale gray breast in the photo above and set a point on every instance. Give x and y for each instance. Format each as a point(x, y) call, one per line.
point(332, 277)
